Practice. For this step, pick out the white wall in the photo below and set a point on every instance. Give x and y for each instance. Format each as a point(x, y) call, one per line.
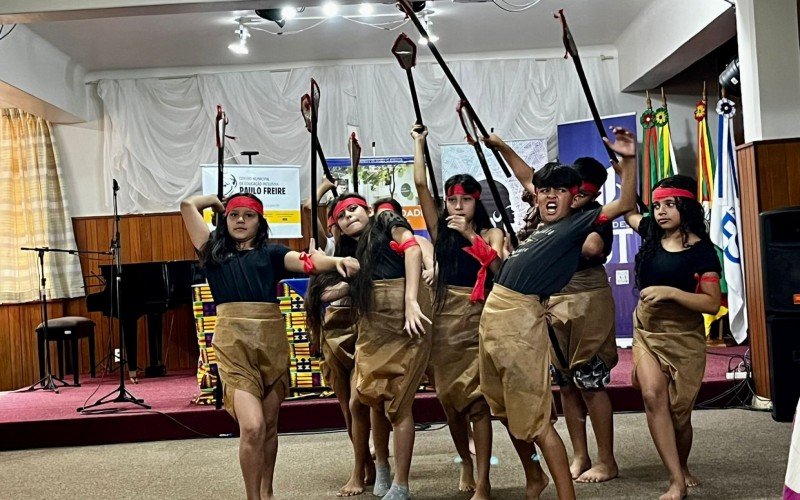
point(80, 151)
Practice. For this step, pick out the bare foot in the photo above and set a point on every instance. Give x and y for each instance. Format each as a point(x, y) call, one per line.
point(482, 492)
point(676, 491)
point(533, 490)
point(690, 480)
point(369, 473)
point(467, 481)
point(355, 486)
point(599, 473)
point(579, 466)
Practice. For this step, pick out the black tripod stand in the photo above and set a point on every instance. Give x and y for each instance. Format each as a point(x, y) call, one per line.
point(120, 394)
point(48, 382)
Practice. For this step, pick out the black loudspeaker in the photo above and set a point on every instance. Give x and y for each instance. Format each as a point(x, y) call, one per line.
point(783, 343)
point(780, 250)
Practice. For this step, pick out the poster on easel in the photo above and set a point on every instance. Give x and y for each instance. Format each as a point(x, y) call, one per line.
point(277, 186)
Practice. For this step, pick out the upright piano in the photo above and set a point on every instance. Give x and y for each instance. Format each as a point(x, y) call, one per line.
point(150, 288)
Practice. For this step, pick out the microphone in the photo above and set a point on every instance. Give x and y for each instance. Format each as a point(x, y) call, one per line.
point(116, 186)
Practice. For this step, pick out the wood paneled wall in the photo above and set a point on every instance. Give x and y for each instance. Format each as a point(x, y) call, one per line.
point(144, 238)
point(770, 179)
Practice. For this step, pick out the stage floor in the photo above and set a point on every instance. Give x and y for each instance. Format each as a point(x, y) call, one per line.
point(40, 419)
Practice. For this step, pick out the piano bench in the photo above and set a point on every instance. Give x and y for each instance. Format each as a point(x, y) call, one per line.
point(61, 330)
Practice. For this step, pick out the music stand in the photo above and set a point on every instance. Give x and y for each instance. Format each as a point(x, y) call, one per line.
point(122, 395)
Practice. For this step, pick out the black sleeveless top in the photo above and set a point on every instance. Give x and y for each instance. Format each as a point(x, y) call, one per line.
point(466, 267)
point(248, 275)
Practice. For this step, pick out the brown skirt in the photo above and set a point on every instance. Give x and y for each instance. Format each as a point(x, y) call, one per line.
point(454, 354)
point(338, 347)
point(515, 362)
point(389, 363)
point(252, 350)
point(582, 317)
point(675, 338)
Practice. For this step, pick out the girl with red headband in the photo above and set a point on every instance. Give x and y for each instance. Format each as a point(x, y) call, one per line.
point(467, 250)
point(582, 317)
point(514, 347)
point(243, 269)
point(393, 346)
point(677, 273)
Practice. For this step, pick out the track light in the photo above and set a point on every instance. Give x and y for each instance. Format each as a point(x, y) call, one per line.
point(429, 29)
point(366, 9)
point(240, 45)
point(274, 15)
point(330, 9)
point(288, 13)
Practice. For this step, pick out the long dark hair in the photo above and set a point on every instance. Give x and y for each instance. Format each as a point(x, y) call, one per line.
point(449, 241)
point(692, 221)
point(345, 247)
point(374, 237)
point(221, 246)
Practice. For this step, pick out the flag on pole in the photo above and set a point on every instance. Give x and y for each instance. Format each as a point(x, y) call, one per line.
point(726, 221)
point(705, 156)
point(649, 166)
point(666, 152)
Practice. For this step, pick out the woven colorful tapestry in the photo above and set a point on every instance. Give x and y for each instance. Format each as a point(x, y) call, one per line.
point(305, 372)
point(205, 318)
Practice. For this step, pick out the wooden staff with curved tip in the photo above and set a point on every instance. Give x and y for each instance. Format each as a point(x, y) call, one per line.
point(220, 123)
point(464, 116)
point(314, 94)
point(405, 6)
point(355, 158)
point(572, 51)
point(406, 53)
point(305, 109)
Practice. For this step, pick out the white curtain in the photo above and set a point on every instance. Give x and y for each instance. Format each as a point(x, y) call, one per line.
point(158, 132)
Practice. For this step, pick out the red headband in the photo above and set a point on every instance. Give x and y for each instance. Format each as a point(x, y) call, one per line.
point(342, 205)
point(459, 189)
point(244, 202)
point(590, 187)
point(385, 205)
point(665, 192)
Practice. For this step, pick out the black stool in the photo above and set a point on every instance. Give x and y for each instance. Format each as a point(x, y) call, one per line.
point(68, 328)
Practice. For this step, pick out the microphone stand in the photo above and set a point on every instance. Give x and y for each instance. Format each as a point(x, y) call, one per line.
point(122, 394)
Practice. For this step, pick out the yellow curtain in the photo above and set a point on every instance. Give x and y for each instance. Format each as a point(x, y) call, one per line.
point(34, 212)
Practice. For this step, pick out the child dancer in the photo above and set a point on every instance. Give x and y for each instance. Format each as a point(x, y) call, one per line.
point(514, 345)
point(582, 317)
point(467, 250)
point(393, 347)
point(677, 272)
point(243, 269)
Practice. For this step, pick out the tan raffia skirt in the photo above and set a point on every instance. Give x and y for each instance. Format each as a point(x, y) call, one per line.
point(338, 347)
point(252, 350)
point(454, 354)
point(515, 362)
point(389, 363)
point(582, 317)
point(675, 338)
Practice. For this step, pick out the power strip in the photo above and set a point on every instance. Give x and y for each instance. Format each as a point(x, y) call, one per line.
point(736, 375)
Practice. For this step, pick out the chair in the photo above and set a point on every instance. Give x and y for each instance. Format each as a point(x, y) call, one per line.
point(61, 330)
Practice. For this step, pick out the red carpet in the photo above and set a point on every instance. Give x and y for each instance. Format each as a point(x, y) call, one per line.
point(43, 419)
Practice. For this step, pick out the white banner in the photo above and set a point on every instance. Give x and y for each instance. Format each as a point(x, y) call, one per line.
point(461, 159)
point(277, 186)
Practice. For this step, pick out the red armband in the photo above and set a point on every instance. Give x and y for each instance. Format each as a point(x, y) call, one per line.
point(308, 264)
point(400, 248)
point(600, 220)
point(485, 255)
point(704, 279)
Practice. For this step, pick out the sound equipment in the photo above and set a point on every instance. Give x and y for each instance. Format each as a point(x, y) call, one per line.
point(780, 247)
point(780, 253)
point(783, 344)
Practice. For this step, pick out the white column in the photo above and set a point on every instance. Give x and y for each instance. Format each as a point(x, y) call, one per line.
point(769, 59)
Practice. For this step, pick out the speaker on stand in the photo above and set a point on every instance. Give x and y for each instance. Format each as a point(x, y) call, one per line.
point(780, 251)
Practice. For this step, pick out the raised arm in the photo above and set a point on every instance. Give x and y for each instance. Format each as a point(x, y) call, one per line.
point(496, 238)
point(429, 211)
point(317, 262)
point(192, 213)
point(624, 145)
point(324, 187)
point(522, 171)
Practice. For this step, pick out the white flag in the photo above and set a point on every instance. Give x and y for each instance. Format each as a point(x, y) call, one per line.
point(726, 221)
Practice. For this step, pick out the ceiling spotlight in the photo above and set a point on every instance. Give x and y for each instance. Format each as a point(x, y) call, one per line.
point(417, 6)
point(274, 15)
point(330, 9)
point(240, 45)
point(429, 29)
point(288, 13)
point(422, 40)
point(366, 9)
